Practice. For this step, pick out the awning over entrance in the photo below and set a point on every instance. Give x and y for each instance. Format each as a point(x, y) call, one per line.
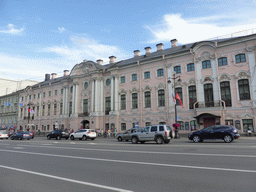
point(206, 114)
point(207, 119)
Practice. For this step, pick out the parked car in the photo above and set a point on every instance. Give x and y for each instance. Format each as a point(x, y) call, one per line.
point(126, 136)
point(21, 135)
point(158, 133)
point(4, 134)
point(83, 134)
point(224, 132)
point(58, 134)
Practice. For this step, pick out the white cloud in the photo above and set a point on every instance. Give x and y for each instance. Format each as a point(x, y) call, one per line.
point(11, 30)
point(61, 29)
point(193, 30)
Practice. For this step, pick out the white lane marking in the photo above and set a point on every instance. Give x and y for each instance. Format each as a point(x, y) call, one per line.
point(55, 142)
point(4, 144)
point(18, 147)
point(47, 144)
point(66, 179)
point(145, 152)
point(133, 162)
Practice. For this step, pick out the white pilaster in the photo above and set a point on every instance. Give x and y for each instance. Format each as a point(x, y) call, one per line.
point(116, 101)
point(112, 94)
point(64, 101)
point(97, 96)
point(102, 96)
point(93, 96)
point(73, 99)
point(200, 88)
point(76, 99)
point(251, 58)
point(216, 95)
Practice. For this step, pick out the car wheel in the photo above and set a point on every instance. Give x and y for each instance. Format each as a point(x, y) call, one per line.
point(228, 139)
point(84, 138)
point(48, 137)
point(119, 139)
point(72, 137)
point(159, 140)
point(126, 140)
point(167, 141)
point(58, 137)
point(196, 139)
point(66, 138)
point(134, 140)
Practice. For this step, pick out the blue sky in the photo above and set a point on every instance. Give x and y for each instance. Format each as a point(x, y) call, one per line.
point(50, 36)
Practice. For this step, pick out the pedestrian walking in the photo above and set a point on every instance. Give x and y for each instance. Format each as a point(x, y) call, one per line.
point(109, 133)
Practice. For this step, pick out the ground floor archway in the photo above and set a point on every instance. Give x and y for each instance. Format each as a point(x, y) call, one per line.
point(85, 124)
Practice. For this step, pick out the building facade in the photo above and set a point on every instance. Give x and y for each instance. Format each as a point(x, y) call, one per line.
point(215, 81)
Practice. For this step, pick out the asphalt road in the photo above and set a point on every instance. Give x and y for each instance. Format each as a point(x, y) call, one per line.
point(107, 165)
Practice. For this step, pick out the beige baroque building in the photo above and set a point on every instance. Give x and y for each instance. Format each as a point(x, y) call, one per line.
point(215, 80)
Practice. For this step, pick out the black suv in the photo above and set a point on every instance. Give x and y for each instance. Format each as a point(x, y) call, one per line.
point(224, 132)
point(58, 134)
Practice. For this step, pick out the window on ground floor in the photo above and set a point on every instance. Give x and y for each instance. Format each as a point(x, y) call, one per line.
point(247, 123)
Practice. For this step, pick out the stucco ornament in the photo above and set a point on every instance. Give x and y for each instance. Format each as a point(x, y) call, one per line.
point(245, 103)
point(242, 75)
point(224, 77)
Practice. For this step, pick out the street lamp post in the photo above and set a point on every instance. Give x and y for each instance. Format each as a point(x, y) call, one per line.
point(175, 105)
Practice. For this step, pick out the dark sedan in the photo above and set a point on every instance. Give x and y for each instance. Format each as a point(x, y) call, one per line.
point(58, 134)
point(216, 132)
point(21, 135)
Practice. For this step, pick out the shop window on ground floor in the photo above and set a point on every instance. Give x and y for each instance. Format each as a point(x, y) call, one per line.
point(36, 127)
point(247, 123)
point(229, 122)
point(237, 124)
point(162, 123)
point(107, 126)
point(123, 126)
point(193, 125)
point(48, 127)
point(186, 125)
point(147, 124)
point(181, 125)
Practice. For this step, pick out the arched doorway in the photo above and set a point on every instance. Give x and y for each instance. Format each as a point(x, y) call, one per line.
point(86, 124)
point(207, 119)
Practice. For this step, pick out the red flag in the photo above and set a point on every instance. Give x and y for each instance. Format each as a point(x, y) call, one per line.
point(178, 97)
point(174, 100)
point(28, 109)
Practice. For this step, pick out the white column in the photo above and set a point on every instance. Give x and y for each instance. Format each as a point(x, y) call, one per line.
point(116, 95)
point(73, 99)
point(112, 94)
point(97, 96)
point(76, 99)
point(93, 95)
point(199, 85)
point(102, 96)
point(216, 95)
point(64, 101)
point(251, 59)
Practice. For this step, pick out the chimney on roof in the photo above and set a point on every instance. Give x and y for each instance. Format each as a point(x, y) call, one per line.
point(174, 42)
point(136, 53)
point(66, 72)
point(47, 77)
point(54, 75)
point(99, 61)
point(112, 59)
point(147, 50)
point(160, 46)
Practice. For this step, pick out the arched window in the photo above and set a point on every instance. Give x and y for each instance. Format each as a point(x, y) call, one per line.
point(161, 98)
point(225, 92)
point(244, 90)
point(208, 95)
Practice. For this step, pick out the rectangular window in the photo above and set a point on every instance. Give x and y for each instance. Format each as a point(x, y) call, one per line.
point(55, 109)
point(134, 77)
point(34, 96)
point(222, 61)
point(229, 122)
point(49, 110)
point(43, 110)
point(123, 102)
point(161, 98)
point(225, 93)
point(177, 69)
point(56, 92)
point(206, 64)
point(134, 100)
point(191, 67)
point(181, 125)
point(240, 58)
point(29, 96)
point(85, 106)
point(37, 111)
point(61, 91)
point(147, 99)
point(123, 79)
point(193, 125)
point(70, 108)
point(50, 93)
point(61, 108)
point(244, 90)
point(21, 112)
point(160, 72)
point(208, 95)
point(247, 124)
point(107, 105)
point(147, 75)
point(192, 96)
point(48, 127)
point(123, 126)
point(179, 91)
point(38, 95)
point(43, 94)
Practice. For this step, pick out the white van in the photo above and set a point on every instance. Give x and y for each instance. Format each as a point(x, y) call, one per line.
point(4, 134)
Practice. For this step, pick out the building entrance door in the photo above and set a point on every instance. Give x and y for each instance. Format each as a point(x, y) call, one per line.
point(209, 121)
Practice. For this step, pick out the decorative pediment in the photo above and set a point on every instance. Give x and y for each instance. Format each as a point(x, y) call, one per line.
point(86, 94)
point(134, 89)
point(190, 82)
point(122, 91)
point(207, 79)
point(83, 68)
point(147, 88)
point(160, 86)
point(242, 75)
point(224, 77)
point(246, 115)
point(122, 120)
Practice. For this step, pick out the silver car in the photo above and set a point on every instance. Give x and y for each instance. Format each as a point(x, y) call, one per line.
point(126, 136)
